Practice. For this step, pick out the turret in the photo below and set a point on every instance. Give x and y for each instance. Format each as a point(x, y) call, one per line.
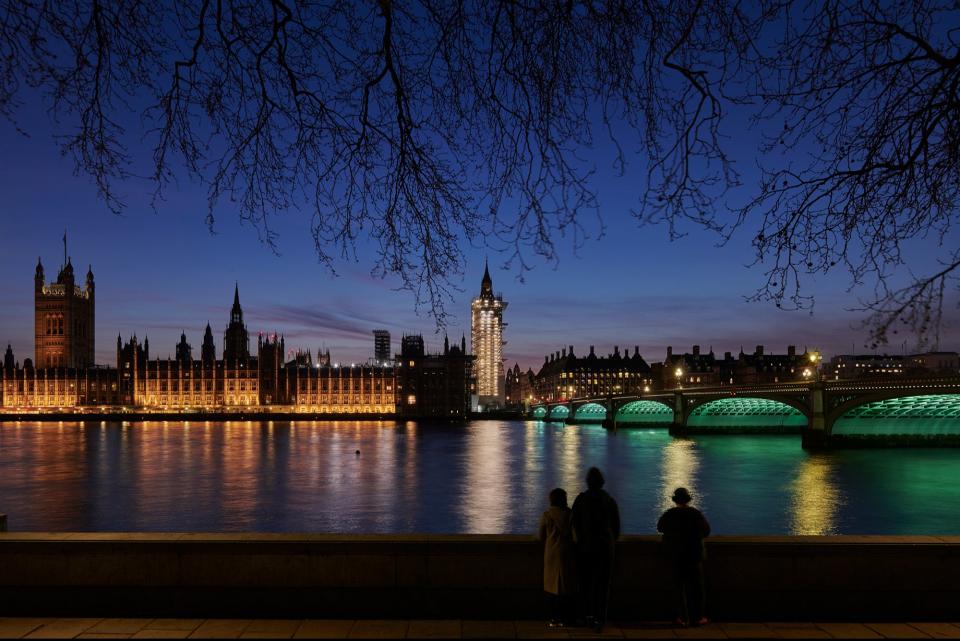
point(38, 277)
point(8, 360)
point(66, 276)
point(90, 279)
point(184, 351)
point(208, 350)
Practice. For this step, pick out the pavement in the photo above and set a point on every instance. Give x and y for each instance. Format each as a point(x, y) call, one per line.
point(92, 628)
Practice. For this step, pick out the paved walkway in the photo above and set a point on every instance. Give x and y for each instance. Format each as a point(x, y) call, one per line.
point(33, 628)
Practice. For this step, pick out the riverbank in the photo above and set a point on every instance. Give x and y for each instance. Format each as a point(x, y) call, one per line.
point(246, 628)
point(839, 578)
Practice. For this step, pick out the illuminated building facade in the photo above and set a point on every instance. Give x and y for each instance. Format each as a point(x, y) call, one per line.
point(239, 381)
point(565, 375)
point(30, 387)
point(486, 334)
point(64, 322)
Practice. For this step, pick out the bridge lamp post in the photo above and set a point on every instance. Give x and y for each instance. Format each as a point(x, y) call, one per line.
point(679, 374)
point(815, 357)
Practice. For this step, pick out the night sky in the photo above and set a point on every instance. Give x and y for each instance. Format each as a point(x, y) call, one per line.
point(161, 273)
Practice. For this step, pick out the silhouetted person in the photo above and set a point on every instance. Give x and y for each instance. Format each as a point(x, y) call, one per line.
point(559, 559)
point(684, 529)
point(596, 527)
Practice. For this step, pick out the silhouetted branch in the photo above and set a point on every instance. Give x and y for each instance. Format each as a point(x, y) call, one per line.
point(427, 125)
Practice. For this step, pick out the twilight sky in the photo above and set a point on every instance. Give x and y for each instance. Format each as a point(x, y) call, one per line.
point(158, 274)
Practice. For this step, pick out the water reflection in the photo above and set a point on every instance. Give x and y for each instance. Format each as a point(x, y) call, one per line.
point(486, 477)
point(487, 492)
point(681, 463)
point(815, 498)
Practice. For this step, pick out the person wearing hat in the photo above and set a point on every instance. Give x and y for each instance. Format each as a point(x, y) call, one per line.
point(684, 528)
point(596, 528)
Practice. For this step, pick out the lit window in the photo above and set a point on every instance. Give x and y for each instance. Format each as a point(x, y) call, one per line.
point(411, 399)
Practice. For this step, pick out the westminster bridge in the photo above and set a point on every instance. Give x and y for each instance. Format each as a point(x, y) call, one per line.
point(920, 411)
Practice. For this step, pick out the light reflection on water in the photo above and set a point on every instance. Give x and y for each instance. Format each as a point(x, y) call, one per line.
point(486, 477)
point(679, 470)
point(816, 498)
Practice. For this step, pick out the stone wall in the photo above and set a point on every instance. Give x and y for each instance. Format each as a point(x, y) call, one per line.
point(462, 576)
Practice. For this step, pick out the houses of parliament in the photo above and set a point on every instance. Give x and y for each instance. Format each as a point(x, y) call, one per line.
point(63, 376)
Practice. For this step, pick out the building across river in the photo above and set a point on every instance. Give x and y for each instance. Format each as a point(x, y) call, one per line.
point(63, 377)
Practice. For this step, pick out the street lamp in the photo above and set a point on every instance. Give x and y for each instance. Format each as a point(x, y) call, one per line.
point(815, 357)
point(679, 374)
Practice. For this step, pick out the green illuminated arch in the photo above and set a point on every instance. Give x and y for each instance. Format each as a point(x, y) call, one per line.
point(932, 415)
point(645, 412)
point(739, 412)
point(590, 412)
point(539, 412)
point(559, 413)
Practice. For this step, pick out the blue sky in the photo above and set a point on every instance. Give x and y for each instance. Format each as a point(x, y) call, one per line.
point(160, 273)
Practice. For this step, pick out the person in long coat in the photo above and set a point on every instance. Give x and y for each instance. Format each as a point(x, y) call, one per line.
point(559, 559)
point(684, 527)
point(596, 528)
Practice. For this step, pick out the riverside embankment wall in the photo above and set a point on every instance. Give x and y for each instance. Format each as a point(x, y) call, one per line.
point(463, 576)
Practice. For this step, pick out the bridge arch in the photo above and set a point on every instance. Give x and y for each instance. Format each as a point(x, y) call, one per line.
point(645, 412)
point(559, 413)
point(539, 412)
point(892, 414)
point(752, 412)
point(590, 413)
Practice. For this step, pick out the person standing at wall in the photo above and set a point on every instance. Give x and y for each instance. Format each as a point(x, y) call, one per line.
point(559, 559)
point(684, 528)
point(596, 528)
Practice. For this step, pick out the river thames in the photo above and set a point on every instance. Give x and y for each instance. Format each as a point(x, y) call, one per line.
point(483, 477)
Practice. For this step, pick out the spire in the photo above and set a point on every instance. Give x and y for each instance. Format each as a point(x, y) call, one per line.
point(236, 313)
point(486, 285)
